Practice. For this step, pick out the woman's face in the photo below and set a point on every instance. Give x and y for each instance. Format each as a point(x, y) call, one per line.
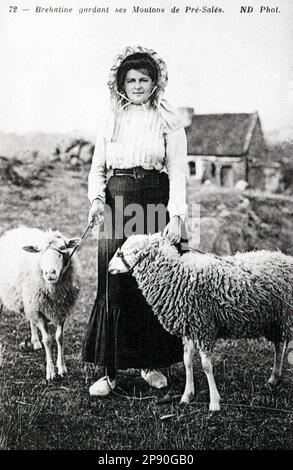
point(138, 86)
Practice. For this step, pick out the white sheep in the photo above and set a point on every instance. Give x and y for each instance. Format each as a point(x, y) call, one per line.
point(38, 279)
point(201, 297)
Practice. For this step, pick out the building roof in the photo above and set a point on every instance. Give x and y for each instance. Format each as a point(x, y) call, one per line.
point(221, 134)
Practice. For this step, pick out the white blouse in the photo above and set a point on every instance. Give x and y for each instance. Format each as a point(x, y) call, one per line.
point(138, 141)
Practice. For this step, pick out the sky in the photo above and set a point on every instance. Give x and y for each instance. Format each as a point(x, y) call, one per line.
point(54, 67)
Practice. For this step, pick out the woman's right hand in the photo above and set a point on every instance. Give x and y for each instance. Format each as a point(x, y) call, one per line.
point(96, 212)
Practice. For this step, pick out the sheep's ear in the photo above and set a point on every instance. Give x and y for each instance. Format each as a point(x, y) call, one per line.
point(73, 242)
point(31, 249)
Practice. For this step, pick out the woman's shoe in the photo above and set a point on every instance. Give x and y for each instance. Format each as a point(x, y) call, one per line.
point(154, 378)
point(102, 387)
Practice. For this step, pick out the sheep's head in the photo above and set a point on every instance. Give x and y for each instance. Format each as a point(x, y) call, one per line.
point(54, 252)
point(128, 255)
point(131, 251)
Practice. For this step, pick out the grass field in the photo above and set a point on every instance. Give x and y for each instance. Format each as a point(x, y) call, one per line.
point(62, 415)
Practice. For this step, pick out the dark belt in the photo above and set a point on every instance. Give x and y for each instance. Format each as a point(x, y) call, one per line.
point(136, 172)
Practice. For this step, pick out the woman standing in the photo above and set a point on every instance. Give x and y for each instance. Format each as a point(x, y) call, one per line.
point(139, 159)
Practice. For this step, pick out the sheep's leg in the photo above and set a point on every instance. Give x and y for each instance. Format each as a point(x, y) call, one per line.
point(206, 362)
point(280, 348)
point(46, 338)
point(34, 336)
point(62, 370)
point(189, 349)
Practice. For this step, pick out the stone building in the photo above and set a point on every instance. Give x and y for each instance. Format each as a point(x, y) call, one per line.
point(227, 148)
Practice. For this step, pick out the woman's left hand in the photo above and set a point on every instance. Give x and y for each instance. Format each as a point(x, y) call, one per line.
point(173, 230)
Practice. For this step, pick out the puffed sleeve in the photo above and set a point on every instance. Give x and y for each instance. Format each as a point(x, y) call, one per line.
point(176, 164)
point(97, 177)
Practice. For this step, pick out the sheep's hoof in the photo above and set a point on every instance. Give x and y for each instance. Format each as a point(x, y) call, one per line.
point(214, 407)
point(29, 346)
point(274, 381)
point(50, 375)
point(26, 346)
point(62, 372)
point(37, 345)
point(184, 400)
point(62, 375)
point(61, 368)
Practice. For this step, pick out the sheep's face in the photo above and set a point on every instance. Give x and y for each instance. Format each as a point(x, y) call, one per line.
point(128, 255)
point(53, 256)
point(52, 262)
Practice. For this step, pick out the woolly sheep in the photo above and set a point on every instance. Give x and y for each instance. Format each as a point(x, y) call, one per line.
point(37, 279)
point(201, 297)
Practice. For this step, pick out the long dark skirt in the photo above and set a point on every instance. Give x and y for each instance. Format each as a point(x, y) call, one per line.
point(122, 330)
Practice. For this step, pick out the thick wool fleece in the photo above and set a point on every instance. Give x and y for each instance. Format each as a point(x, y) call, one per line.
point(203, 297)
point(22, 287)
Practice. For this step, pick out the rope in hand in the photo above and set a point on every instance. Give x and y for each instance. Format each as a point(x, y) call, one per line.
point(90, 225)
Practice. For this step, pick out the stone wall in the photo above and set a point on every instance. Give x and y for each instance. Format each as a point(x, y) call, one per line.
point(232, 220)
point(275, 213)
